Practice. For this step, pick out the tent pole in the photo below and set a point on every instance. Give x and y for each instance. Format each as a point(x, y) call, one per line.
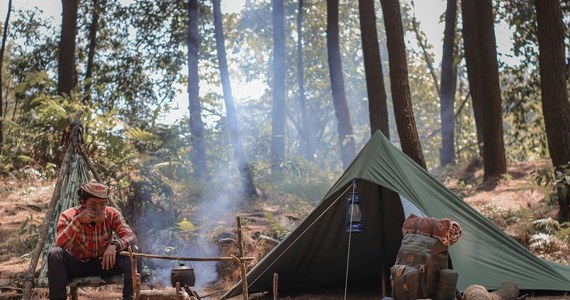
point(29, 280)
point(382, 232)
point(94, 171)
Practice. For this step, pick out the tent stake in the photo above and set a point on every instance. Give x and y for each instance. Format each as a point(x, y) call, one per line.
point(29, 280)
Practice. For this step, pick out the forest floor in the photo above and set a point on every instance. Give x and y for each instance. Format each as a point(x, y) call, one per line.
point(512, 203)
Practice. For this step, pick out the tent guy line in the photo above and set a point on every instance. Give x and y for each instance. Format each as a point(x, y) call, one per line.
point(295, 240)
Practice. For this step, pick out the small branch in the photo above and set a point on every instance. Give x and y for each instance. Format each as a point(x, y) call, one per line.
point(422, 44)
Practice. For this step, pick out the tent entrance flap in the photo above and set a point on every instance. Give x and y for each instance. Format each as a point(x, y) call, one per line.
point(374, 250)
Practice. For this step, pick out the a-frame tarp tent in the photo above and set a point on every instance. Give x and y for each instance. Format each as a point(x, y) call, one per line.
point(391, 185)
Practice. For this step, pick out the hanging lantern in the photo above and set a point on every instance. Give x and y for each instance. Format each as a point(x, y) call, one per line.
point(354, 213)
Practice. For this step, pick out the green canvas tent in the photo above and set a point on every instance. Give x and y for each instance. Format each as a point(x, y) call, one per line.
point(391, 186)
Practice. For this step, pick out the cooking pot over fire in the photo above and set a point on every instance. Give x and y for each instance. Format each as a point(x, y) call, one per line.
point(183, 274)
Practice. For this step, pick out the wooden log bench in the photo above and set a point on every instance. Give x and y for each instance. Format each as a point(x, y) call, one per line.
point(92, 281)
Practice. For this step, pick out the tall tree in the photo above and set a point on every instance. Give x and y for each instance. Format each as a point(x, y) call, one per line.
point(241, 160)
point(345, 133)
point(306, 130)
point(377, 106)
point(2, 49)
point(196, 124)
point(278, 113)
point(484, 58)
point(67, 74)
point(471, 48)
point(93, 28)
point(399, 83)
point(448, 86)
point(554, 88)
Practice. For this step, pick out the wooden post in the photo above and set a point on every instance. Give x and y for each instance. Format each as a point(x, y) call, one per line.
point(94, 171)
point(29, 281)
point(178, 291)
point(275, 287)
point(241, 263)
point(134, 275)
point(240, 240)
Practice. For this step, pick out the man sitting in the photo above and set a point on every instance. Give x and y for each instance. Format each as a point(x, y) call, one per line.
point(84, 243)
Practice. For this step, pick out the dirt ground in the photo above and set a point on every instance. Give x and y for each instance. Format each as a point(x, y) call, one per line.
point(23, 203)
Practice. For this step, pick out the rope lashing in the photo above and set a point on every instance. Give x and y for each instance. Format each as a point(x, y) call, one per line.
point(76, 134)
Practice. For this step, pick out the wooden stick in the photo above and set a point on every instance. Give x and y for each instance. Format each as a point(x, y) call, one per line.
point(28, 285)
point(178, 290)
point(275, 287)
point(240, 240)
point(94, 171)
point(243, 277)
point(124, 253)
point(241, 264)
point(134, 275)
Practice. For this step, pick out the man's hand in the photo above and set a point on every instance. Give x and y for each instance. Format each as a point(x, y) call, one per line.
point(86, 216)
point(108, 261)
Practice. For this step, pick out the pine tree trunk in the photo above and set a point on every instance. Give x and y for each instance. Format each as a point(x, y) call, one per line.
point(377, 106)
point(307, 127)
point(67, 74)
point(345, 133)
point(2, 48)
point(448, 86)
point(196, 125)
point(553, 82)
point(554, 88)
point(278, 113)
point(472, 60)
point(487, 93)
point(242, 163)
point(93, 28)
point(399, 83)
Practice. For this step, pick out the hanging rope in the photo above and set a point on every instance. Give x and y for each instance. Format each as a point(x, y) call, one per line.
point(349, 237)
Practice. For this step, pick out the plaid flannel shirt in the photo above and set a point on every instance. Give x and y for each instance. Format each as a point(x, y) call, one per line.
point(85, 241)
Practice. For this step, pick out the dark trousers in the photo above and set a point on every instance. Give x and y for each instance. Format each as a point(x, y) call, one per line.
point(62, 268)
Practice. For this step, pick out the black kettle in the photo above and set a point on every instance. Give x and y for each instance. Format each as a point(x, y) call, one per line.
point(182, 274)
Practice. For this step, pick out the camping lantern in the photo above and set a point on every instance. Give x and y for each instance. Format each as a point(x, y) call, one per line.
point(354, 214)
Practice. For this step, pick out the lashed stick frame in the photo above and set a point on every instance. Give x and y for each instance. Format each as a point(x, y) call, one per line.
point(240, 260)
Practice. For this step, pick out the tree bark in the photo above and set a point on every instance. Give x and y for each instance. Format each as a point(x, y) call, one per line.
point(377, 106)
point(345, 133)
point(399, 83)
point(93, 28)
point(489, 92)
point(196, 125)
point(448, 86)
point(553, 82)
point(471, 48)
point(554, 89)
point(278, 113)
point(307, 128)
point(2, 48)
point(242, 163)
point(67, 74)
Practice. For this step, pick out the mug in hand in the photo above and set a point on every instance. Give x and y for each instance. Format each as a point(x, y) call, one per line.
point(99, 216)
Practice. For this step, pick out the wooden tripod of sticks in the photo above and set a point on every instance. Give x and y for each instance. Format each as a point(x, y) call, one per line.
point(238, 259)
